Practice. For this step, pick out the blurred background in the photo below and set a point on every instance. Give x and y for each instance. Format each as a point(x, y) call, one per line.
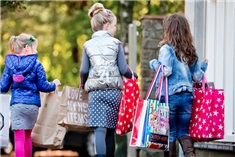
point(62, 27)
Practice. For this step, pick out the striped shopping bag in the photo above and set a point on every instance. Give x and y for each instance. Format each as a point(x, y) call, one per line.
point(151, 123)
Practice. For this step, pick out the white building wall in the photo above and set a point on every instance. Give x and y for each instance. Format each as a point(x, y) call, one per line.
point(213, 26)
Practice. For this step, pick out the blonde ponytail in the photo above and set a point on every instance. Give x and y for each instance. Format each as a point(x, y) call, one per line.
point(17, 43)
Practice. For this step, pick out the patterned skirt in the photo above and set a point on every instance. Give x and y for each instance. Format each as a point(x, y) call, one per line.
point(23, 116)
point(103, 108)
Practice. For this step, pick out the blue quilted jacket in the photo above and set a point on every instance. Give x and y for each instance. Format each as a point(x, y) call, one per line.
point(25, 76)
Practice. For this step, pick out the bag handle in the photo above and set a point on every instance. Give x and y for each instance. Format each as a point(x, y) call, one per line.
point(132, 76)
point(165, 80)
point(153, 82)
point(156, 75)
point(204, 83)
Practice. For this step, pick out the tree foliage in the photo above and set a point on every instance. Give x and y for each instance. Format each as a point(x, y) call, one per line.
point(8, 6)
point(63, 26)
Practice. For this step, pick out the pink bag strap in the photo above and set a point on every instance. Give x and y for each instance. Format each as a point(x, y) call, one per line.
point(156, 75)
point(166, 89)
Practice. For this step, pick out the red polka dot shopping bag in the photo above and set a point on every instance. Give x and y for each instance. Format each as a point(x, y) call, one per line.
point(130, 98)
point(207, 122)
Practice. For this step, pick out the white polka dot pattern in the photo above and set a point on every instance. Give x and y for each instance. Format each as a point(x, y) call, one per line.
point(130, 98)
point(103, 108)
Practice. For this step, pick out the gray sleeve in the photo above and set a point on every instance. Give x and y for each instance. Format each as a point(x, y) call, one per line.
point(122, 64)
point(84, 69)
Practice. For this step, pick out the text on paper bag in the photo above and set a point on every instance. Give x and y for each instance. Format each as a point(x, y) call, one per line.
point(76, 107)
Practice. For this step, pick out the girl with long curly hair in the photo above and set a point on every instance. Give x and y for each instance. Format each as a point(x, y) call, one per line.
point(182, 67)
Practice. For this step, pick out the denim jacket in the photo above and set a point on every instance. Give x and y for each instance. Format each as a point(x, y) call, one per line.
point(180, 75)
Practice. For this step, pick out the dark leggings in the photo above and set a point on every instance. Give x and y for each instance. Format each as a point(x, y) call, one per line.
point(105, 142)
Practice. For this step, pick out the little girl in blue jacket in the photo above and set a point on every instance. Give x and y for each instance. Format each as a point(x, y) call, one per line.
point(24, 75)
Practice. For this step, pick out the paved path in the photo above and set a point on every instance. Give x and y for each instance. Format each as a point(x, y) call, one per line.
point(50, 153)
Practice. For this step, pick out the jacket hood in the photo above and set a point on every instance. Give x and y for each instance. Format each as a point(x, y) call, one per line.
point(20, 64)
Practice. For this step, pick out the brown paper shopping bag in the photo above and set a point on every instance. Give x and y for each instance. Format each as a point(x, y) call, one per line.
point(74, 109)
point(46, 132)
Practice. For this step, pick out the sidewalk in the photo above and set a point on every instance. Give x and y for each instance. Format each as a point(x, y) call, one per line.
point(50, 153)
point(56, 153)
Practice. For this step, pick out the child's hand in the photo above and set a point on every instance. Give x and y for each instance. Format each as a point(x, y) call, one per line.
point(135, 75)
point(204, 64)
point(205, 60)
point(57, 82)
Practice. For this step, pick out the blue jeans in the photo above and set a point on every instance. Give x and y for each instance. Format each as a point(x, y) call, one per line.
point(180, 114)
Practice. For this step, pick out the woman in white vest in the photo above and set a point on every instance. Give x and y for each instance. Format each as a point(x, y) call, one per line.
point(101, 71)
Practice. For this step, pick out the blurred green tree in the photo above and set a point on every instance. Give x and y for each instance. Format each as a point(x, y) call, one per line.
point(63, 26)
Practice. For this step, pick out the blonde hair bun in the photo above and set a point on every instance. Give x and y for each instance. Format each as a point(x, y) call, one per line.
point(95, 9)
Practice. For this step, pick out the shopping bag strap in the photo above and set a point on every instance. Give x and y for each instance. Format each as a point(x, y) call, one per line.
point(156, 75)
point(132, 77)
point(204, 83)
point(165, 80)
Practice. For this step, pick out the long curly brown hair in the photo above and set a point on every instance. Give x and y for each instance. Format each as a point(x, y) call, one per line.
point(177, 32)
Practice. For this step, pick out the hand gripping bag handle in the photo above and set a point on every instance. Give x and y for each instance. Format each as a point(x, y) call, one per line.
point(156, 75)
